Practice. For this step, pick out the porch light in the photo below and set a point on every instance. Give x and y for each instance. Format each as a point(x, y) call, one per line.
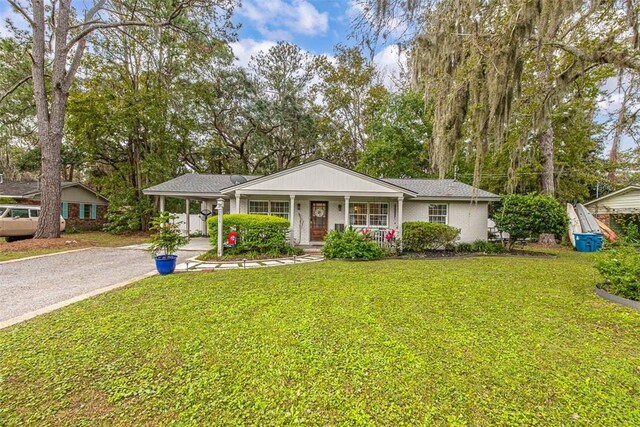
point(298, 206)
point(339, 208)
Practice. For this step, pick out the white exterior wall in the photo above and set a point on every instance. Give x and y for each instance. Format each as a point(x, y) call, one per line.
point(628, 202)
point(469, 217)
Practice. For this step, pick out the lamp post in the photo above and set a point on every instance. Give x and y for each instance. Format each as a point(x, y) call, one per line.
point(220, 208)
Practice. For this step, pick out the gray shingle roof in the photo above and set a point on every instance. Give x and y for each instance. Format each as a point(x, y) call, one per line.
point(24, 188)
point(194, 183)
point(445, 188)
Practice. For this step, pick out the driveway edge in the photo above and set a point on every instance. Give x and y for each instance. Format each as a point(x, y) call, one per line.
point(27, 316)
point(46, 255)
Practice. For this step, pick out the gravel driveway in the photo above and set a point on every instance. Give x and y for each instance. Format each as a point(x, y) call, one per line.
point(33, 284)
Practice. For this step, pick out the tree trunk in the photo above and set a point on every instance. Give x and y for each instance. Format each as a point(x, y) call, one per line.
point(548, 167)
point(548, 183)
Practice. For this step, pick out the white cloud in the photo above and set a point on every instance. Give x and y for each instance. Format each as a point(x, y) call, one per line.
point(244, 49)
point(278, 19)
point(391, 63)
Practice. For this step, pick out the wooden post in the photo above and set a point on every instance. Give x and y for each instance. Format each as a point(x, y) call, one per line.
point(292, 200)
point(346, 211)
point(220, 209)
point(187, 219)
point(161, 203)
point(400, 200)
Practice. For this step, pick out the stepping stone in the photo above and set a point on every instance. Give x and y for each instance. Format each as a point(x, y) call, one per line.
point(273, 262)
point(286, 261)
point(251, 264)
point(228, 266)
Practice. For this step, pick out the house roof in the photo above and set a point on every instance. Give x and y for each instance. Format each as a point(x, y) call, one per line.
point(195, 184)
point(211, 185)
point(613, 194)
point(442, 188)
point(344, 173)
point(26, 189)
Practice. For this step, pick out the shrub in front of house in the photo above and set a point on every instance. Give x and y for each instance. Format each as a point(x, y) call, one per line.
point(351, 244)
point(620, 267)
point(480, 246)
point(421, 237)
point(257, 234)
point(529, 215)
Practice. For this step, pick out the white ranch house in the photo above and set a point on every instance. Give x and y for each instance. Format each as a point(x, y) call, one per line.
point(319, 196)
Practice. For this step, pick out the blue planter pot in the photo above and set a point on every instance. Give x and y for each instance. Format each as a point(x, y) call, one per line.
point(166, 264)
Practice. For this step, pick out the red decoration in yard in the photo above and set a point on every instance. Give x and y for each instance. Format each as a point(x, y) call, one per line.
point(232, 238)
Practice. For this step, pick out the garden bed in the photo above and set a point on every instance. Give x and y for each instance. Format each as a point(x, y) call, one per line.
point(453, 254)
point(212, 255)
point(601, 291)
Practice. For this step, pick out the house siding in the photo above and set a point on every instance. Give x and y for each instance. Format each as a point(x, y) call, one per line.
point(470, 217)
point(628, 202)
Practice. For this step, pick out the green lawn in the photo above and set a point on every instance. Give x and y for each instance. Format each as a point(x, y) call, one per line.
point(474, 341)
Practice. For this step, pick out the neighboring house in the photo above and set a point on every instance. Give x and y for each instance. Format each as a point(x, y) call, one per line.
point(623, 202)
point(81, 206)
point(320, 196)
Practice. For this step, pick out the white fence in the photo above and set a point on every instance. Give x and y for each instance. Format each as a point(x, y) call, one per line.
point(195, 223)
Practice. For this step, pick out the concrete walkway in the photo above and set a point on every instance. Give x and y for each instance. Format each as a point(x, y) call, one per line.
point(194, 265)
point(32, 285)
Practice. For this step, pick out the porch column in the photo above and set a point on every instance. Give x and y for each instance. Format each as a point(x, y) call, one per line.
point(161, 203)
point(346, 211)
point(400, 200)
point(292, 203)
point(237, 203)
point(187, 221)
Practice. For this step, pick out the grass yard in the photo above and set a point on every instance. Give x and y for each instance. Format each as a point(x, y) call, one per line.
point(474, 341)
point(30, 247)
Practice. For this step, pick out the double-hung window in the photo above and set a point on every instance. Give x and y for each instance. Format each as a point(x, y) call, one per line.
point(378, 214)
point(358, 214)
point(267, 207)
point(373, 214)
point(438, 213)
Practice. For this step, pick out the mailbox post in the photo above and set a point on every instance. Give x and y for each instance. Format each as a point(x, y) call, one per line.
point(220, 208)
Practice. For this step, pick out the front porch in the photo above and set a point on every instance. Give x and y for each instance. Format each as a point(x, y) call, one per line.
point(312, 216)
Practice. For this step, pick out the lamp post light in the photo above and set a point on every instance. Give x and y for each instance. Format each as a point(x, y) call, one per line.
point(220, 208)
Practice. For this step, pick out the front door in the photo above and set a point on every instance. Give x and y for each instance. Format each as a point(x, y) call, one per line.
point(319, 222)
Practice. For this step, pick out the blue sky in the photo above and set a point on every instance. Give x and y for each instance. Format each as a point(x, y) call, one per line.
point(315, 25)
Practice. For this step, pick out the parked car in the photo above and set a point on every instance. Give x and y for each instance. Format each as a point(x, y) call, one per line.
point(20, 221)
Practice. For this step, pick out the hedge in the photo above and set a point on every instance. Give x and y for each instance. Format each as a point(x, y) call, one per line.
point(420, 236)
point(261, 234)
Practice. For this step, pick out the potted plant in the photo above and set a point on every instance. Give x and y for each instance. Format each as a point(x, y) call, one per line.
point(165, 241)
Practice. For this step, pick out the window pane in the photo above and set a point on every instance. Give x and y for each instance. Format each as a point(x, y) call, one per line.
point(258, 207)
point(87, 211)
point(358, 214)
point(280, 209)
point(378, 208)
point(438, 214)
point(34, 213)
point(19, 213)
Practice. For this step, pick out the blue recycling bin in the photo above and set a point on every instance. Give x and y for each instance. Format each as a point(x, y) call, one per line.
point(588, 242)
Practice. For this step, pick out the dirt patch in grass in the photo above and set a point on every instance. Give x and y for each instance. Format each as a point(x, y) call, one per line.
point(38, 244)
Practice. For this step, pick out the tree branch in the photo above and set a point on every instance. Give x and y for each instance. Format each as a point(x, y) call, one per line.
point(105, 25)
point(21, 11)
point(15, 87)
